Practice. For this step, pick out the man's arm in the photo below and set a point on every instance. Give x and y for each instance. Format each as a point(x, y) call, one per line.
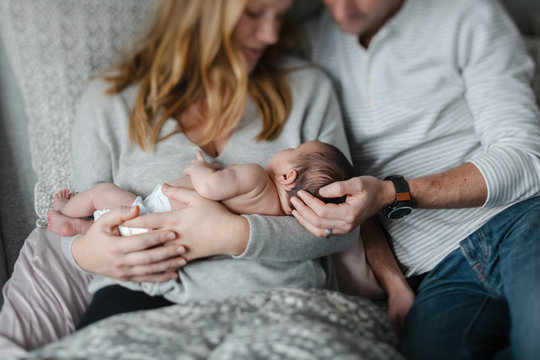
point(496, 72)
point(461, 187)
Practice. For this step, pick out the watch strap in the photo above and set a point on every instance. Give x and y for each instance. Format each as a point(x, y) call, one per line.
point(402, 198)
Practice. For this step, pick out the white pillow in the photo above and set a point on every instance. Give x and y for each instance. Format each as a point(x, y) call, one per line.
point(55, 47)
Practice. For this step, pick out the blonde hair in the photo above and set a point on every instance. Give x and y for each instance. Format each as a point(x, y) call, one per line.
point(188, 56)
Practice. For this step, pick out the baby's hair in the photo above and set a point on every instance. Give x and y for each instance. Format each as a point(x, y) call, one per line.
point(319, 169)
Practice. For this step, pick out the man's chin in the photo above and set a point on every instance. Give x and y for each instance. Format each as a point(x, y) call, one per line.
point(350, 28)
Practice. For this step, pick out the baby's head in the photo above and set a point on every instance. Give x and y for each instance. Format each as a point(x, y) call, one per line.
point(308, 167)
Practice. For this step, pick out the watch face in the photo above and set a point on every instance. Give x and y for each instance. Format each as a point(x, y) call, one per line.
point(399, 212)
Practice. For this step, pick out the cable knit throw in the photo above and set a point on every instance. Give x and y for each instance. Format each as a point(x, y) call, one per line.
point(55, 47)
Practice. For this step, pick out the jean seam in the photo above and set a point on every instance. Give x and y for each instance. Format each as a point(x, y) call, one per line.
point(467, 331)
point(479, 274)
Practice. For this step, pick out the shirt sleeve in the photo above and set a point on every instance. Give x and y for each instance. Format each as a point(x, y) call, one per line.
point(91, 148)
point(282, 238)
point(497, 73)
point(92, 139)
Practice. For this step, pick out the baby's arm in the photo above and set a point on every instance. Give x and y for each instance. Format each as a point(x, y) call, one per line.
point(386, 269)
point(224, 184)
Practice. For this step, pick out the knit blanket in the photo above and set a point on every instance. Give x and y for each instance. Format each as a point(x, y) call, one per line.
point(274, 324)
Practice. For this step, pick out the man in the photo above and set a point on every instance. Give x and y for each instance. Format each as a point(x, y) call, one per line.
point(438, 92)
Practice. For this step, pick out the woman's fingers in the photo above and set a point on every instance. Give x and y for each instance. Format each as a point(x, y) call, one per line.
point(169, 265)
point(152, 262)
point(118, 216)
point(128, 244)
point(156, 256)
point(183, 195)
point(151, 221)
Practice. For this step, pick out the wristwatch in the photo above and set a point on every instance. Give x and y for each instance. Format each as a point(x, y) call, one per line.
point(402, 205)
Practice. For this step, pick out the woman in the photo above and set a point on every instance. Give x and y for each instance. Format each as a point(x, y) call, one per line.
point(205, 74)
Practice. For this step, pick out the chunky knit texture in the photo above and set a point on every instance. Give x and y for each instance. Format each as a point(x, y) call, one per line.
point(55, 47)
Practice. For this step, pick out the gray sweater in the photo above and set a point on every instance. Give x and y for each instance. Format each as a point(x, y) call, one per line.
point(280, 252)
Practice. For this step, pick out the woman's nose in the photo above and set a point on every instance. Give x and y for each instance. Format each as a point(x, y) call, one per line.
point(268, 31)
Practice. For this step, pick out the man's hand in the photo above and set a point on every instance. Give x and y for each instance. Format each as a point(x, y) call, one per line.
point(365, 196)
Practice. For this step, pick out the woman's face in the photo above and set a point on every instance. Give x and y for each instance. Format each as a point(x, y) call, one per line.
point(259, 27)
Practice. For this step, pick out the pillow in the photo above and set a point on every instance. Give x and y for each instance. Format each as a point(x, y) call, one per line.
point(55, 47)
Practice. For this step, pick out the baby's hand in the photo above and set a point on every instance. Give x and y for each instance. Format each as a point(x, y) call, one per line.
point(199, 164)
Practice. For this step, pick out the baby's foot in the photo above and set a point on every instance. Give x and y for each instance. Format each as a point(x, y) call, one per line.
point(66, 226)
point(61, 198)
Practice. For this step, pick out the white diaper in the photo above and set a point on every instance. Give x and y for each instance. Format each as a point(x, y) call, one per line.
point(155, 202)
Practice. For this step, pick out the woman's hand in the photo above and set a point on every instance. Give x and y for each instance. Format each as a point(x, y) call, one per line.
point(365, 196)
point(152, 256)
point(204, 227)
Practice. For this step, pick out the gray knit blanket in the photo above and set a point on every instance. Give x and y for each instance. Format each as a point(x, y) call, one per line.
point(274, 324)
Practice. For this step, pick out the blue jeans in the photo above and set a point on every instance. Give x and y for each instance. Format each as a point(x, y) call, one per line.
point(482, 301)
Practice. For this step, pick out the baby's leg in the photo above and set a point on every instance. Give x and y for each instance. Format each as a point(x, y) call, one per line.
point(68, 222)
point(101, 196)
point(63, 225)
point(61, 198)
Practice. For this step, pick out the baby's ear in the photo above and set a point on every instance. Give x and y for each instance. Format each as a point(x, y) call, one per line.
point(288, 179)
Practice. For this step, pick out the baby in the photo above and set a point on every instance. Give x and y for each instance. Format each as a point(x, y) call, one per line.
point(243, 189)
